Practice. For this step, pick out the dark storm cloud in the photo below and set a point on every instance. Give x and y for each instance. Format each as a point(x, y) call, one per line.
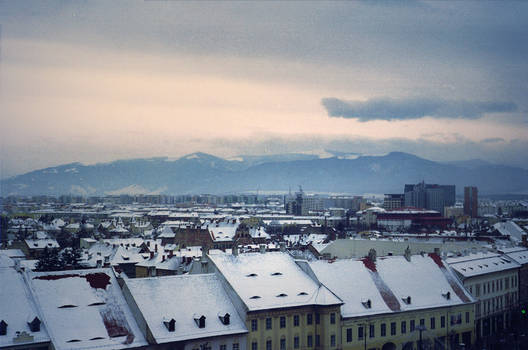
point(413, 108)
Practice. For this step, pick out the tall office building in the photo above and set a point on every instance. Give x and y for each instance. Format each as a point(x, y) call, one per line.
point(471, 201)
point(429, 196)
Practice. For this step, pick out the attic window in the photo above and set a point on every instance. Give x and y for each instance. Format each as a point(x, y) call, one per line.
point(34, 324)
point(302, 293)
point(96, 338)
point(225, 319)
point(407, 300)
point(367, 303)
point(3, 327)
point(281, 295)
point(97, 303)
point(255, 297)
point(447, 295)
point(170, 324)
point(200, 321)
point(67, 306)
point(252, 275)
point(276, 274)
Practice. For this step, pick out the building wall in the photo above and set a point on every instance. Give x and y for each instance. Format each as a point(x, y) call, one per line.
point(459, 320)
point(325, 330)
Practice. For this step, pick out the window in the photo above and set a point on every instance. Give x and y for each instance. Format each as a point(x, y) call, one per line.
point(422, 322)
point(349, 335)
point(282, 322)
point(403, 327)
point(371, 331)
point(268, 323)
point(309, 341)
point(332, 318)
point(223, 347)
point(383, 330)
point(295, 320)
point(360, 332)
point(442, 322)
point(283, 344)
point(467, 316)
point(254, 346)
point(309, 319)
point(412, 326)
point(317, 340)
point(254, 325)
point(296, 342)
point(236, 346)
point(433, 325)
point(268, 345)
point(393, 328)
point(506, 283)
point(333, 340)
point(317, 318)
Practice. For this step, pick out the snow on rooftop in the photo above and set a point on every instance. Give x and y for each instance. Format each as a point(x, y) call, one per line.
point(510, 228)
point(475, 264)
point(271, 280)
point(383, 287)
point(41, 243)
point(16, 308)
point(85, 309)
point(199, 295)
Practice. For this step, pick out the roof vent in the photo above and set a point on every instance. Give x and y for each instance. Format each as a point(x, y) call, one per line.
point(170, 324)
point(200, 320)
point(447, 295)
point(302, 293)
point(252, 275)
point(255, 297)
point(67, 306)
point(367, 303)
point(3, 327)
point(73, 341)
point(224, 318)
point(276, 274)
point(96, 338)
point(407, 300)
point(281, 295)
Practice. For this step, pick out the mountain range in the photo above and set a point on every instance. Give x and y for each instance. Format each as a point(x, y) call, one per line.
point(203, 173)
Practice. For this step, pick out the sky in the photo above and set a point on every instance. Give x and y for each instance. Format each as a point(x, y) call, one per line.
point(97, 81)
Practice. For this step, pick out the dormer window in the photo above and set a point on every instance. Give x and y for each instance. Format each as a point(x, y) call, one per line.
point(225, 319)
point(34, 324)
point(367, 304)
point(407, 300)
point(3, 327)
point(73, 341)
point(200, 321)
point(170, 324)
point(447, 295)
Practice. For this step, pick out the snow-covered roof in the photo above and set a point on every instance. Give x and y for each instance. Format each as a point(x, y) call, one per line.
point(510, 228)
point(222, 231)
point(259, 232)
point(199, 295)
point(383, 287)
point(519, 256)
point(271, 280)
point(481, 263)
point(85, 309)
point(13, 253)
point(41, 243)
point(17, 307)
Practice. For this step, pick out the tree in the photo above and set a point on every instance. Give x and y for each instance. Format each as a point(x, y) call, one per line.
point(49, 260)
point(71, 258)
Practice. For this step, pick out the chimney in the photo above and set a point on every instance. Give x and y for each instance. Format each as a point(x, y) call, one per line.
point(156, 248)
point(282, 246)
point(171, 253)
point(437, 251)
point(262, 248)
point(3, 327)
point(170, 324)
point(148, 244)
point(234, 250)
point(407, 254)
point(99, 263)
point(372, 255)
point(152, 271)
point(152, 255)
